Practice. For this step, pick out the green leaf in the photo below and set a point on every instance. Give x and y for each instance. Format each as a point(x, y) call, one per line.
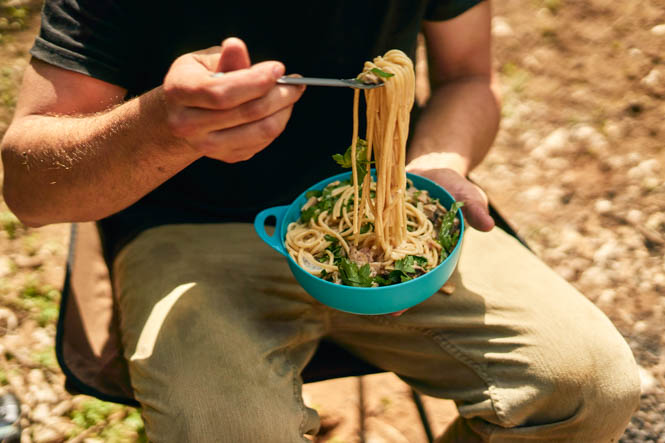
point(405, 265)
point(390, 279)
point(313, 193)
point(381, 73)
point(351, 275)
point(448, 235)
point(421, 261)
point(366, 228)
point(344, 160)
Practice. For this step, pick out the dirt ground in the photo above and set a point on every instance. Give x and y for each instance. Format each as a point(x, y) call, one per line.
point(578, 168)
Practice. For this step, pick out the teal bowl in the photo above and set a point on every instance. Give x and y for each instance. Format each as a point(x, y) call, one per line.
point(368, 301)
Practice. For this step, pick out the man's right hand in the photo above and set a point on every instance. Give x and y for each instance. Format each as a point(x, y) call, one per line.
point(233, 116)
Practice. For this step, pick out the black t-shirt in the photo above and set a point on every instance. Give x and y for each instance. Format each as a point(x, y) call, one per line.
point(132, 44)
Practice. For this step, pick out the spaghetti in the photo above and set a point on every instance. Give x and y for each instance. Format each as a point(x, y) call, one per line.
point(375, 232)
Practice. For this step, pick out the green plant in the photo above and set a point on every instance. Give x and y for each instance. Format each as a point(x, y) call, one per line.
point(40, 300)
point(8, 221)
point(46, 358)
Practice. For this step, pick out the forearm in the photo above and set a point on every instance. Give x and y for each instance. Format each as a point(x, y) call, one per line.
point(63, 168)
point(457, 127)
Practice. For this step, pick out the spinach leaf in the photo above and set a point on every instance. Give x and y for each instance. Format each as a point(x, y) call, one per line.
point(448, 235)
point(344, 160)
point(381, 73)
point(351, 275)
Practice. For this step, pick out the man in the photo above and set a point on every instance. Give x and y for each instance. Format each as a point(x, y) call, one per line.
point(120, 120)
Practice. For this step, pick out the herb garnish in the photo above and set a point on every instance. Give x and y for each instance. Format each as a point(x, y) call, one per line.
point(344, 160)
point(351, 275)
point(381, 73)
point(448, 235)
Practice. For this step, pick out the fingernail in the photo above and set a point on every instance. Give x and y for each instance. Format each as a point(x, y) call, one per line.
point(278, 70)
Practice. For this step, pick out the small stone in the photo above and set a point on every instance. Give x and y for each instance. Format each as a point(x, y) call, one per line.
point(658, 29)
point(42, 393)
point(595, 142)
point(603, 206)
point(606, 297)
point(635, 52)
point(656, 222)
point(634, 216)
point(534, 193)
point(41, 338)
point(41, 412)
point(608, 251)
point(501, 28)
point(648, 382)
point(614, 130)
point(654, 81)
point(43, 434)
point(640, 326)
point(35, 377)
point(595, 276)
point(557, 140)
point(8, 321)
point(5, 266)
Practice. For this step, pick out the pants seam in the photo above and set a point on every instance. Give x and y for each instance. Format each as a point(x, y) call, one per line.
point(459, 355)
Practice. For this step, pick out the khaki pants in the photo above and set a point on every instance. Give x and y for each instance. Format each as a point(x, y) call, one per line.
point(216, 332)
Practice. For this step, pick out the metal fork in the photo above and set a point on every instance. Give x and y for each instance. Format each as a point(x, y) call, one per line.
point(314, 81)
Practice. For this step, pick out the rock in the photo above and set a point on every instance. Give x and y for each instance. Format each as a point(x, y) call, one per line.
point(41, 412)
point(608, 251)
point(36, 377)
point(555, 143)
point(8, 321)
point(613, 130)
point(501, 28)
point(595, 276)
point(654, 81)
point(534, 193)
point(26, 261)
point(635, 52)
point(6, 266)
point(658, 30)
point(606, 297)
point(41, 338)
point(648, 382)
point(634, 216)
point(43, 434)
point(603, 206)
point(640, 327)
point(62, 408)
point(656, 222)
point(595, 142)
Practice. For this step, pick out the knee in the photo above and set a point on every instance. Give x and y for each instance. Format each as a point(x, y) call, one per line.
point(592, 392)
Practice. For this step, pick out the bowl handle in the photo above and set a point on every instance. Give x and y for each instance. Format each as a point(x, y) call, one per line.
point(260, 226)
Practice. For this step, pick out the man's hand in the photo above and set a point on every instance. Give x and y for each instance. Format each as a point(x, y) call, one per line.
point(231, 117)
point(475, 207)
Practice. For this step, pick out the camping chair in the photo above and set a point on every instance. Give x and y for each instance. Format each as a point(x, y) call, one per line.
point(88, 344)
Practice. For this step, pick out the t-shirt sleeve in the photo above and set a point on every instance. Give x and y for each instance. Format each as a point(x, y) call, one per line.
point(439, 10)
point(87, 36)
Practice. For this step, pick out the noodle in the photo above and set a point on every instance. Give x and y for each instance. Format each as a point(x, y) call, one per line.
point(367, 232)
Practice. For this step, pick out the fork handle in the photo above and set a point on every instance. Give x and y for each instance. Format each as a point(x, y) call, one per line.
point(313, 81)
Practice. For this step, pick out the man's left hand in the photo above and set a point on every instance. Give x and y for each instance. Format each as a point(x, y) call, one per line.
point(475, 209)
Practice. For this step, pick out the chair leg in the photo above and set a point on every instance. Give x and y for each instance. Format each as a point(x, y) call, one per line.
point(423, 415)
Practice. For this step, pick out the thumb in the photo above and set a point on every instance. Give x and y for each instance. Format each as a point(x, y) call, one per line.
point(476, 208)
point(234, 55)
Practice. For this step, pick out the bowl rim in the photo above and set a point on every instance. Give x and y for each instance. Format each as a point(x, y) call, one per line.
point(320, 185)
